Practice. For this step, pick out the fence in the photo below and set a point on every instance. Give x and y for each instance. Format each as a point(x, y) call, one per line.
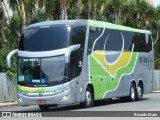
point(8, 88)
point(156, 81)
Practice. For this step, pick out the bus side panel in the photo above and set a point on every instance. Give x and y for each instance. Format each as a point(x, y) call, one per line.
point(143, 71)
point(146, 70)
point(150, 71)
point(114, 61)
point(107, 78)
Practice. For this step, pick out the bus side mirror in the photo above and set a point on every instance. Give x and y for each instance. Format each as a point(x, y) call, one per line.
point(9, 57)
point(69, 50)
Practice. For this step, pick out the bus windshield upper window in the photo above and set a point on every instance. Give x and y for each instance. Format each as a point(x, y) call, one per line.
point(45, 39)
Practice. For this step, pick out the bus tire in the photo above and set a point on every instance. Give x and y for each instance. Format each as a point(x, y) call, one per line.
point(44, 107)
point(139, 92)
point(89, 100)
point(132, 95)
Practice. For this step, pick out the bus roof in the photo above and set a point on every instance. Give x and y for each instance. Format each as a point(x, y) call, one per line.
point(87, 23)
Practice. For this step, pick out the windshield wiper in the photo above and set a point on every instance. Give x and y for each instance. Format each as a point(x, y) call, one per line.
point(55, 82)
point(28, 82)
point(24, 82)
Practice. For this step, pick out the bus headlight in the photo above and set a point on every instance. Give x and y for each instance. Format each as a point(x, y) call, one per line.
point(64, 98)
point(20, 100)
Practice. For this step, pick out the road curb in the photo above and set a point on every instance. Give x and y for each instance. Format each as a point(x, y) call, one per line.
point(8, 104)
point(158, 91)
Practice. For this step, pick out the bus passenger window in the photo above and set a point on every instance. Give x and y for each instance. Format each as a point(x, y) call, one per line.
point(78, 37)
point(74, 63)
point(115, 41)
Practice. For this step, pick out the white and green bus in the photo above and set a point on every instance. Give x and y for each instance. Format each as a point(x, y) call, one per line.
point(68, 62)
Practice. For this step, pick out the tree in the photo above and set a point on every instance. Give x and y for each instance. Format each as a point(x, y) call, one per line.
point(4, 41)
point(132, 13)
point(19, 12)
point(116, 7)
point(63, 9)
point(47, 7)
point(18, 6)
point(156, 23)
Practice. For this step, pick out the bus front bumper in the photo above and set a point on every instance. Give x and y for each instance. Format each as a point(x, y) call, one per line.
point(59, 98)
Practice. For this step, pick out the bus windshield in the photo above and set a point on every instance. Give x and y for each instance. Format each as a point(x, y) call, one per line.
point(41, 71)
point(45, 38)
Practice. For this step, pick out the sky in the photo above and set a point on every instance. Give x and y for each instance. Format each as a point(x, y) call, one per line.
point(156, 2)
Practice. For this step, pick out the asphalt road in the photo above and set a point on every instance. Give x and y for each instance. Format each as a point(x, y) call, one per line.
point(149, 104)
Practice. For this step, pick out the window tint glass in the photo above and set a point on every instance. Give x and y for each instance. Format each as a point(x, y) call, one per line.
point(149, 44)
point(94, 33)
point(76, 58)
point(45, 39)
point(78, 37)
point(128, 37)
point(114, 41)
point(48, 71)
point(142, 43)
point(100, 39)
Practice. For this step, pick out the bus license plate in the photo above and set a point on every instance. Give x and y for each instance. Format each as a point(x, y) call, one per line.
point(41, 101)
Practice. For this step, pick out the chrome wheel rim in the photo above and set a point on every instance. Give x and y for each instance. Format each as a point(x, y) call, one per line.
point(139, 91)
point(88, 97)
point(132, 93)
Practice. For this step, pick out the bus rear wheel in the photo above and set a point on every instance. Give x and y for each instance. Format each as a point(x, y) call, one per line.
point(89, 100)
point(139, 93)
point(132, 95)
point(44, 107)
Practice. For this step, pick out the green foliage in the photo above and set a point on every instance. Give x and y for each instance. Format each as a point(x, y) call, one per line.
point(15, 24)
point(3, 68)
point(157, 62)
point(1, 13)
point(132, 13)
point(72, 12)
point(11, 45)
point(37, 18)
point(3, 61)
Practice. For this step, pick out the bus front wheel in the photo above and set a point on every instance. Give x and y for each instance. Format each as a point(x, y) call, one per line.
point(89, 100)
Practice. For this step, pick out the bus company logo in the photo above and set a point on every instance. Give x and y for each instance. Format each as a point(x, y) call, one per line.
point(6, 114)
